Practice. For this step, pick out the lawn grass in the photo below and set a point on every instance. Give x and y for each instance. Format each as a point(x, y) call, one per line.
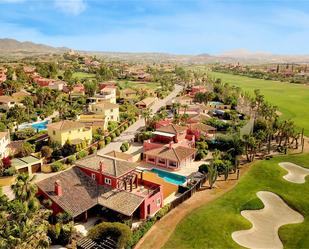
point(137, 84)
point(83, 75)
point(291, 99)
point(211, 226)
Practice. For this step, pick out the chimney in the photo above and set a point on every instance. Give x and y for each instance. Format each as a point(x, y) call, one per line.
point(170, 145)
point(58, 188)
point(101, 167)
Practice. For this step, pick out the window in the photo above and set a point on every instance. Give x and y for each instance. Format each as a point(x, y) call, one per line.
point(93, 176)
point(69, 132)
point(158, 202)
point(108, 181)
point(172, 164)
point(54, 132)
point(112, 110)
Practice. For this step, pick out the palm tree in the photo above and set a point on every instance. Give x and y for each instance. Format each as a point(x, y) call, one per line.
point(23, 189)
point(28, 103)
point(146, 114)
point(70, 86)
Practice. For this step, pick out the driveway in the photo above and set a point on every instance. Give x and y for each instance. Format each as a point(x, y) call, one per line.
point(139, 124)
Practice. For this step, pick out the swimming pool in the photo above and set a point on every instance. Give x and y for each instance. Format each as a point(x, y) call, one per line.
point(37, 125)
point(170, 177)
point(40, 126)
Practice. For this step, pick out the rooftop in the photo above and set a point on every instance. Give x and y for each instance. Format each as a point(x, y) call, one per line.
point(172, 128)
point(111, 166)
point(119, 155)
point(65, 125)
point(80, 193)
point(175, 154)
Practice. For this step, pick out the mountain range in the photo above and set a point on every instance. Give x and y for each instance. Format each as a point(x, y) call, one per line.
point(11, 48)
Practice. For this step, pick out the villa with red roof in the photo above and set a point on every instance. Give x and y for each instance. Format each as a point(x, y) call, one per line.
point(102, 181)
point(170, 147)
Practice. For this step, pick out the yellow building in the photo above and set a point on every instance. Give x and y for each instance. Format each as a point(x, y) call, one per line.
point(65, 130)
point(109, 110)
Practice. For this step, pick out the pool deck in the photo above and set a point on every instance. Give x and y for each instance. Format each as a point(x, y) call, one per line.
point(186, 171)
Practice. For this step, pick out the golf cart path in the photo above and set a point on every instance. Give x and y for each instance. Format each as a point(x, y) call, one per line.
point(296, 173)
point(266, 223)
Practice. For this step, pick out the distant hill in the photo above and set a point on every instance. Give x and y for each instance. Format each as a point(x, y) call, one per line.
point(11, 47)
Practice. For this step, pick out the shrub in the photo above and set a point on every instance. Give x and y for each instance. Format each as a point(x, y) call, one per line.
point(101, 144)
point(9, 171)
point(108, 140)
point(57, 166)
point(26, 149)
point(6, 161)
point(71, 159)
point(113, 136)
point(46, 151)
point(203, 169)
point(24, 134)
point(125, 146)
point(118, 231)
point(97, 137)
point(81, 154)
point(117, 132)
point(92, 150)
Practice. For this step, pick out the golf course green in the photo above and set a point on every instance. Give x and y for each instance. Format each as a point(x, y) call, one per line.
point(211, 226)
point(292, 99)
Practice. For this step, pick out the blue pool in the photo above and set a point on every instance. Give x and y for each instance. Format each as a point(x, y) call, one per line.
point(40, 126)
point(170, 177)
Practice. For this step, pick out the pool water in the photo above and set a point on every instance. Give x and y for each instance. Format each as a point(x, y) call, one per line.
point(170, 177)
point(40, 126)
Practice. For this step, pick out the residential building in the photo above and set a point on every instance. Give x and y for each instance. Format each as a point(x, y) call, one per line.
point(170, 157)
point(4, 143)
point(198, 129)
point(20, 95)
point(166, 135)
point(65, 130)
point(105, 182)
point(107, 94)
point(146, 103)
point(7, 102)
point(217, 105)
point(29, 164)
point(120, 155)
point(109, 110)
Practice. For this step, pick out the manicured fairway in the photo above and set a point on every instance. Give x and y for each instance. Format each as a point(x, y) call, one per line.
point(82, 75)
point(291, 99)
point(211, 226)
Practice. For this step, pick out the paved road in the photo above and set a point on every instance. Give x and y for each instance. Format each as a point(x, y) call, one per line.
point(139, 124)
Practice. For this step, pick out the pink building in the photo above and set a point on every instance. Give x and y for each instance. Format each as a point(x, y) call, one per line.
point(170, 147)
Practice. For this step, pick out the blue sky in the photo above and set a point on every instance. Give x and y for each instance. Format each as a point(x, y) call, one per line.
point(175, 26)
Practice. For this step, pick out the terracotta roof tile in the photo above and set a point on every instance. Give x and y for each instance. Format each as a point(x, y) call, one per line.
point(111, 166)
point(65, 125)
point(172, 128)
point(175, 154)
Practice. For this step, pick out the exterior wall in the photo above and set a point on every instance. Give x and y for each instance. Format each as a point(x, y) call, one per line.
point(156, 162)
point(62, 136)
point(55, 207)
point(7, 106)
point(4, 142)
point(100, 178)
point(155, 203)
point(110, 114)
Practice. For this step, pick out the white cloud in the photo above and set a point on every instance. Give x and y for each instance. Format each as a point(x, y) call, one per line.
point(71, 7)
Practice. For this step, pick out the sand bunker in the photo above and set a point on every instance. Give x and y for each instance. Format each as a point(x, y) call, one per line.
point(266, 222)
point(296, 173)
